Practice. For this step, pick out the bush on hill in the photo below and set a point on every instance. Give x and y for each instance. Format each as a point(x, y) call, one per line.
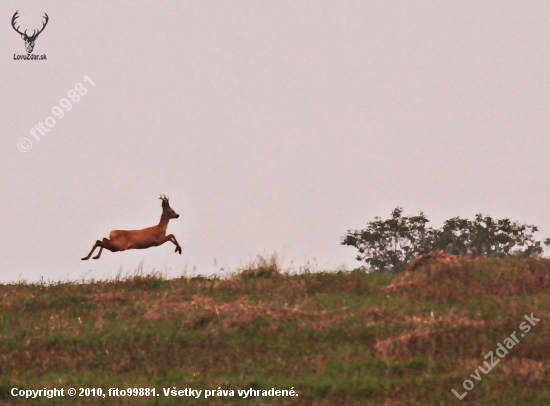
point(391, 244)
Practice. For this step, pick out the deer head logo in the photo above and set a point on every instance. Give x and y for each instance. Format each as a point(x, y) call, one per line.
point(29, 39)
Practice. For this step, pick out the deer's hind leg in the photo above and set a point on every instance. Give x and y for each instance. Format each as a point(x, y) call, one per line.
point(107, 244)
point(97, 244)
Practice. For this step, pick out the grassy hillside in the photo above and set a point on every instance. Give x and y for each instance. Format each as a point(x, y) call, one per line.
point(345, 338)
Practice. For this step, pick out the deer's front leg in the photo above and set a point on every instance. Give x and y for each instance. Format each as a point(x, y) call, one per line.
point(171, 238)
point(178, 246)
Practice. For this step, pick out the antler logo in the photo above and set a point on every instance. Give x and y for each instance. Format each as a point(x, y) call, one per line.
point(29, 39)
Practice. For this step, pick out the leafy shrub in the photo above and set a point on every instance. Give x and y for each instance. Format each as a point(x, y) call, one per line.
point(391, 244)
point(488, 237)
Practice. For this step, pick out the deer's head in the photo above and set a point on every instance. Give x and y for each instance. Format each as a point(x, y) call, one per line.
point(166, 209)
point(29, 39)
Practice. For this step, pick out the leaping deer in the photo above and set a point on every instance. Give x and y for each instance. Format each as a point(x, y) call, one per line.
point(122, 240)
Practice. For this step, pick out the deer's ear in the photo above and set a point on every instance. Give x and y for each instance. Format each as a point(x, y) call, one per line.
point(23, 36)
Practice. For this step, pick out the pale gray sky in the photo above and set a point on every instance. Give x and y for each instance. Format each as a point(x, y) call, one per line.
point(272, 126)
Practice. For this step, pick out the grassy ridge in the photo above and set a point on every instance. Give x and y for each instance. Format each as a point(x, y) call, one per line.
point(345, 338)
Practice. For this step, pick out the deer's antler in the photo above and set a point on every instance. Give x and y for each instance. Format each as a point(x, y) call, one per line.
point(34, 33)
point(15, 17)
point(43, 26)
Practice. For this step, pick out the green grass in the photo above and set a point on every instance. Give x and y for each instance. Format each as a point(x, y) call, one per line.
point(340, 338)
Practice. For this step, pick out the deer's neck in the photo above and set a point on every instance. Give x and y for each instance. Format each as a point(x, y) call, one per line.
point(163, 225)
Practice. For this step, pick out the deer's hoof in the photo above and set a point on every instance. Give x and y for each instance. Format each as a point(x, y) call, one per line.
point(84, 259)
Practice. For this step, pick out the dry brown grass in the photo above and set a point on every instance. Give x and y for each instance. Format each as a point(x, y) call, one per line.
point(437, 257)
point(346, 338)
